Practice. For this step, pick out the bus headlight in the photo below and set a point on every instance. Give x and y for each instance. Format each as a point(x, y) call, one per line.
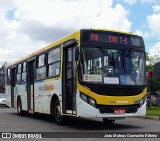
point(84, 97)
point(91, 101)
point(88, 100)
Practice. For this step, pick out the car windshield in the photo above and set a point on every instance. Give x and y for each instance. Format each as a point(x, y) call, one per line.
point(111, 66)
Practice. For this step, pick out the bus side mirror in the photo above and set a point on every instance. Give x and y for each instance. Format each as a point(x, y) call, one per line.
point(76, 53)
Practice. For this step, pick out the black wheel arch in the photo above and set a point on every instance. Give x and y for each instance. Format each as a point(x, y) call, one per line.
point(53, 99)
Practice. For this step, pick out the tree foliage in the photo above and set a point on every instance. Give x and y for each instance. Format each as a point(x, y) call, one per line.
point(149, 66)
point(2, 78)
point(153, 84)
point(154, 59)
point(151, 60)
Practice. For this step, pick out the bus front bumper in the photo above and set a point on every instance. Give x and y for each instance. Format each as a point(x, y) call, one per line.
point(86, 110)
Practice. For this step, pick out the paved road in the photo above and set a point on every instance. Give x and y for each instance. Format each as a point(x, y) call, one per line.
point(11, 122)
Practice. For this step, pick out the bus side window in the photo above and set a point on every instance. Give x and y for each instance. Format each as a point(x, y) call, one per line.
point(9, 77)
point(19, 70)
point(41, 67)
point(54, 62)
point(24, 72)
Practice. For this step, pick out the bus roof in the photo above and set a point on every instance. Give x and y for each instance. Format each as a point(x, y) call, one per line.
point(60, 41)
point(116, 31)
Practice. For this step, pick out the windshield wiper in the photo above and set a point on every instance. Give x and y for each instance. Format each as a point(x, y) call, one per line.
point(102, 49)
point(129, 52)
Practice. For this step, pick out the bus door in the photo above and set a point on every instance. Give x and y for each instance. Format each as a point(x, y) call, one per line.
point(13, 84)
point(69, 81)
point(30, 83)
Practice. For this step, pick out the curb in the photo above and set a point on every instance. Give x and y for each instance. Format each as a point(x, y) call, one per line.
point(151, 117)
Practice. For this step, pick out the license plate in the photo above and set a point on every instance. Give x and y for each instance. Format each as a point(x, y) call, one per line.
point(119, 111)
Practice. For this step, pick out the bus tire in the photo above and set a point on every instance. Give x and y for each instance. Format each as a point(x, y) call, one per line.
point(19, 107)
point(108, 121)
point(59, 119)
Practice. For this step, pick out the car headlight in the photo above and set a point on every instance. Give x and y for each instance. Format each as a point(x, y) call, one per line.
point(88, 100)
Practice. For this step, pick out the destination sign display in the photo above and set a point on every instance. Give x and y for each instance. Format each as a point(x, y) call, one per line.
point(112, 38)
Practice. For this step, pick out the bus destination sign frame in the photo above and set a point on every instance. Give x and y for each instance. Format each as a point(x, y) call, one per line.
point(112, 38)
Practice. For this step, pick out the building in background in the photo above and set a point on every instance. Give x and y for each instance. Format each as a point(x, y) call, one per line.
point(156, 70)
point(148, 74)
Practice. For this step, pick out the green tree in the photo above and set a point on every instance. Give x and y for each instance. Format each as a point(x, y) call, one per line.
point(149, 65)
point(2, 78)
point(153, 84)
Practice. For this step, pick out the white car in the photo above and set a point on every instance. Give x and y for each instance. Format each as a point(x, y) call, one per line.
point(2, 100)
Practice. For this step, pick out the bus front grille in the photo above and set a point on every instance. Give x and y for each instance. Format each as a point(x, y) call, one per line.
point(109, 109)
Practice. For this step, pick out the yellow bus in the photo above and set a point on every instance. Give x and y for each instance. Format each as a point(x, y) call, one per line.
point(90, 73)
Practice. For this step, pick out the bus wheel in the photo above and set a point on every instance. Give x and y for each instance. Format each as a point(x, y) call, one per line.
point(108, 121)
point(19, 107)
point(59, 119)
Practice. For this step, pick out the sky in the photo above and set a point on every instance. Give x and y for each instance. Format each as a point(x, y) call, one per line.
point(28, 25)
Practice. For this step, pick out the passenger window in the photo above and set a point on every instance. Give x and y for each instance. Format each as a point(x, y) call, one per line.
point(54, 55)
point(41, 73)
point(54, 62)
point(19, 78)
point(41, 60)
point(8, 77)
point(54, 69)
point(19, 69)
point(24, 72)
point(24, 77)
point(41, 68)
point(24, 66)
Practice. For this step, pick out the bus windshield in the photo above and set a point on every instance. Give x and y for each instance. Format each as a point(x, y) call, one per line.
point(111, 66)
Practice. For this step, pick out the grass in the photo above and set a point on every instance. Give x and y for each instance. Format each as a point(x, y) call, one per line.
point(153, 111)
